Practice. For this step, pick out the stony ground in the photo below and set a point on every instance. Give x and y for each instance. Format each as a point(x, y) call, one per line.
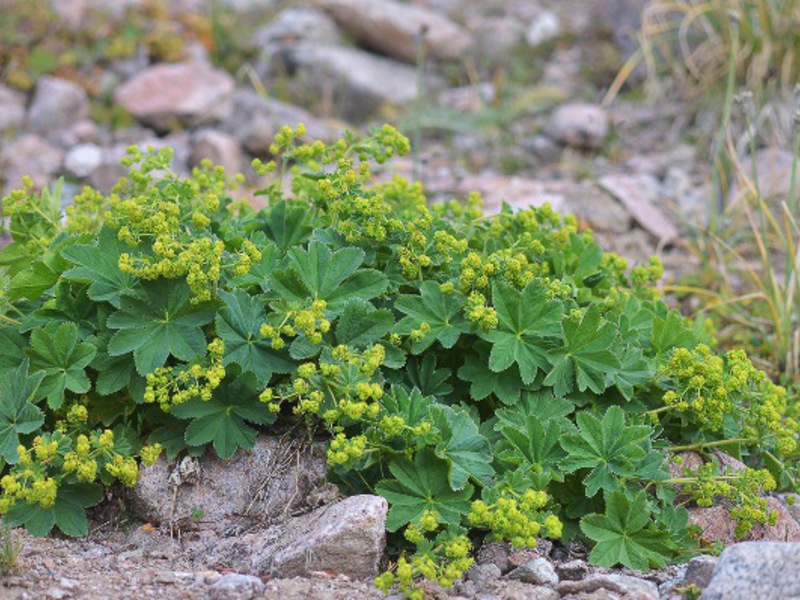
point(625, 169)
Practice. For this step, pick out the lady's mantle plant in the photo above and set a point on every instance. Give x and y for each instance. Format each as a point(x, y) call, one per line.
point(490, 376)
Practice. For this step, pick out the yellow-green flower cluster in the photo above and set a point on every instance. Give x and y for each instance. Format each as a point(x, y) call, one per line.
point(87, 211)
point(712, 388)
point(745, 488)
point(477, 311)
point(445, 562)
point(309, 321)
point(52, 458)
point(169, 386)
point(173, 222)
point(344, 450)
point(519, 518)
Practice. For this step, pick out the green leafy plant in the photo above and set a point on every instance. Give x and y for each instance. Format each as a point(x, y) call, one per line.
point(492, 377)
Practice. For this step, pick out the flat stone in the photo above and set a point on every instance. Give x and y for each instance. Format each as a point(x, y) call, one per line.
point(358, 84)
point(756, 570)
point(397, 29)
point(638, 199)
point(57, 104)
point(580, 125)
point(169, 96)
point(235, 586)
point(613, 582)
point(346, 538)
point(517, 590)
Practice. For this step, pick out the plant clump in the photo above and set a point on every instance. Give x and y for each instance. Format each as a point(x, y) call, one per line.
point(493, 377)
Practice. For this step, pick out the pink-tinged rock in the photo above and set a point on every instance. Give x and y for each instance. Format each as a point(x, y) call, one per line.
point(715, 522)
point(220, 148)
point(717, 526)
point(29, 155)
point(57, 104)
point(12, 109)
point(169, 96)
point(396, 29)
point(638, 199)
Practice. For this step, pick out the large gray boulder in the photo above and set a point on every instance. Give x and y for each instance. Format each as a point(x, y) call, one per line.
point(756, 570)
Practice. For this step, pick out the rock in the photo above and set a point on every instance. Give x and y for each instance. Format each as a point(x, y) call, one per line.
point(294, 25)
point(517, 590)
point(537, 571)
point(766, 571)
point(717, 526)
point(580, 125)
point(218, 147)
point(573, 570)
point(357, 83)
point(12, 110)
point(495, 553)
point(496, 36)
point(715, 521)
point(29, 155)
point(57, 104)
point(82, 160)
point(544, 28)
point(167, 96)
point(82, 132)
point(346, 538)
point(235, 586)
point(255, 120)
point(638, 199)
point(396, 29)
point(519, 192)
point(268, 483)
point(659, 163)
point(594, 207)
point(774, 168)
point(301, 588)
point(482, 574)
point(632, 587)
point(699, 571)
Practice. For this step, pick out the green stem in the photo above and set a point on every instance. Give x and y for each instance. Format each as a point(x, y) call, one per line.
point(8, 319)
point(662, 409)
point(714, 444)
